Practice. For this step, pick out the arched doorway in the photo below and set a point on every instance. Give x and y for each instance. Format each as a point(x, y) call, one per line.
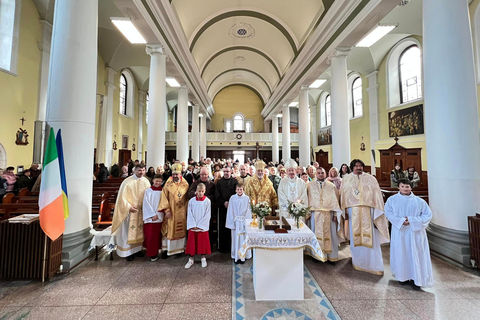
point(3, 157)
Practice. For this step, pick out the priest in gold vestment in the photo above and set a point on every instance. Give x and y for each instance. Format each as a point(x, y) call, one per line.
point(127, 225)
point(259, 188)
point(362, 199)
point(174, 203)
point(326, 217)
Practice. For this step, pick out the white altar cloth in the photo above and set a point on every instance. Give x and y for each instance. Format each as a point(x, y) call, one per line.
point(278, 260)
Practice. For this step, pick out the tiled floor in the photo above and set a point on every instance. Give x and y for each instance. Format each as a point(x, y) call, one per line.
point(165, 290)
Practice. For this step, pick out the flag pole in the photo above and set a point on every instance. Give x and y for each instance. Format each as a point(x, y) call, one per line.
point(44, 261)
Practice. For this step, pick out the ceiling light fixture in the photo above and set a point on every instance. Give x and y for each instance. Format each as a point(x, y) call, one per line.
point(172, 82)
point(128, 29)
point(317, 83)
point(376, 34)
point(293, 104)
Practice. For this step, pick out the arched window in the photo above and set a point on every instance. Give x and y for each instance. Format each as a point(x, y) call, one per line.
point(357, 98)
point(326, 112)
point(123, 94)
point(410, 74)
point(9, 16)
point(238, 122)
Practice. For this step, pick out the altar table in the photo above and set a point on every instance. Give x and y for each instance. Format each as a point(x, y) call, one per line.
point(278, 260)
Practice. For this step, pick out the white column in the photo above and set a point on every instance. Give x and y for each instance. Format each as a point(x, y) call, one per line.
point(303, 128)
point(451, 123)
point(105, 132)
point(313, 126)
point(373, 110)
point(142, 99)
point(340, 121)
point(195, 134)
point(100, 105)
point(182, 124)
point(71, 107)
point(44, 47)
point(275, 139)
point(286, 155)
point(157, 107)
point(203, 136)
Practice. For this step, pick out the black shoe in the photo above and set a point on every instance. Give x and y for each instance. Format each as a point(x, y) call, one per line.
point(236, 261)
point(415, 287)
point(131, 257)
point(403, 283)
point(164, 255)
point(331, 262)
point(242, 262)
point(140, 254)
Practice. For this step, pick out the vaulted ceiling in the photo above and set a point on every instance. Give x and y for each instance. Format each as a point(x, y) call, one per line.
point(250, 42)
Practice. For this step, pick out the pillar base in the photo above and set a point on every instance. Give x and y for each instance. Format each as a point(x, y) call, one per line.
point(75, 248)
point(453, 244)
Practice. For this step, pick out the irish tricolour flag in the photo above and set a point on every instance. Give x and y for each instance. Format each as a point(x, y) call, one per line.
point(52, 201)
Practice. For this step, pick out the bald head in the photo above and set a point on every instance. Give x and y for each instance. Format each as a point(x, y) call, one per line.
point(204, 174)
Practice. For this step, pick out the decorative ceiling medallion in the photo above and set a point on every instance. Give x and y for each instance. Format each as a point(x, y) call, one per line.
point(242, 30)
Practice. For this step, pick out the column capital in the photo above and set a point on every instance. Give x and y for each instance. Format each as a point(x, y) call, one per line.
point(342, 51)
point(304, 88)
point(152, 49)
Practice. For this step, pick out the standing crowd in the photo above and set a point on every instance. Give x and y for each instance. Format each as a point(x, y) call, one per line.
point(195, 208)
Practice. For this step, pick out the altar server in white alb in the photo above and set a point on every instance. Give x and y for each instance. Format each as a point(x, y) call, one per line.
point(238, 210)
point(291, 188)
point(409, 251)
point(198, 222)
point(152, 218)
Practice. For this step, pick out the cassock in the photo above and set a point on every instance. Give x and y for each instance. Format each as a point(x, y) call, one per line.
point(198, 216)
point(360, 195)
point(275, 181)
point(127, 227)
point(323, 200)
point(175, 228)
point(291, 190)
point(261, 190)
point(409, 250)
point(238, 210)
point(152, 230)
point(224, 189)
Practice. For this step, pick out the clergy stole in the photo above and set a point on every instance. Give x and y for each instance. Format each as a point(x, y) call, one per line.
point(322, 198)
point(174, 198)
point(362, 193)
point(263, 190)
point(131, 195)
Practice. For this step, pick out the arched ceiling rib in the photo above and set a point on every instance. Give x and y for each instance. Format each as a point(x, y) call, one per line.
point(254, 50)
point(246, 13)
point(244, 70)
point(242, 85)
point(239, 76)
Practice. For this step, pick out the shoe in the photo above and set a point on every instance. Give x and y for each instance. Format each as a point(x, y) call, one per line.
point(140, 254)
point(189, 263)
point(153, 259)
point(404, 282)
point(236, 261)
point(131, 257)
point(241, 261)
point(415, 287)
point(164, 254)
point(204, 262)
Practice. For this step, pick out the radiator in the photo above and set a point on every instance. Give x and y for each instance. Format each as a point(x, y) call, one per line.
point(474, 233)
point(22, 250)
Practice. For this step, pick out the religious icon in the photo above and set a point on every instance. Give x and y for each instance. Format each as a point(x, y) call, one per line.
point(133, 147)
point(21, 137)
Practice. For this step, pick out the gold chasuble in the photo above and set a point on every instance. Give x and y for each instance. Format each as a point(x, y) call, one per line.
point(261, 190)
point(174, 199)
point(361, 193)
point(322, 198)
point(130, 195)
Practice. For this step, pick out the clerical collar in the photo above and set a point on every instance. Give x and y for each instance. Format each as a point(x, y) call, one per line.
point(201, 199)
point(321, 181)
point(157, 188)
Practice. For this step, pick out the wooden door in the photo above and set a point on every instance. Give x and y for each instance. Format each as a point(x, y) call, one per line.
point(322, 158)
point(124, 156)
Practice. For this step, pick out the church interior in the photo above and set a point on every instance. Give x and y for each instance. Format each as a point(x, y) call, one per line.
point(389, 82)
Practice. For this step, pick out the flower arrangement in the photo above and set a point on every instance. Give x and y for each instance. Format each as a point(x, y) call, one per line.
point(261, 210)
point(298, 210)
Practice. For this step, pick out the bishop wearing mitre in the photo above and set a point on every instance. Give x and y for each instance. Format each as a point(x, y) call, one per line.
point(259, 188)
point(326, 213)
point(127, 225)
point(361, 198)
point(291, 188)
point(174, 203)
